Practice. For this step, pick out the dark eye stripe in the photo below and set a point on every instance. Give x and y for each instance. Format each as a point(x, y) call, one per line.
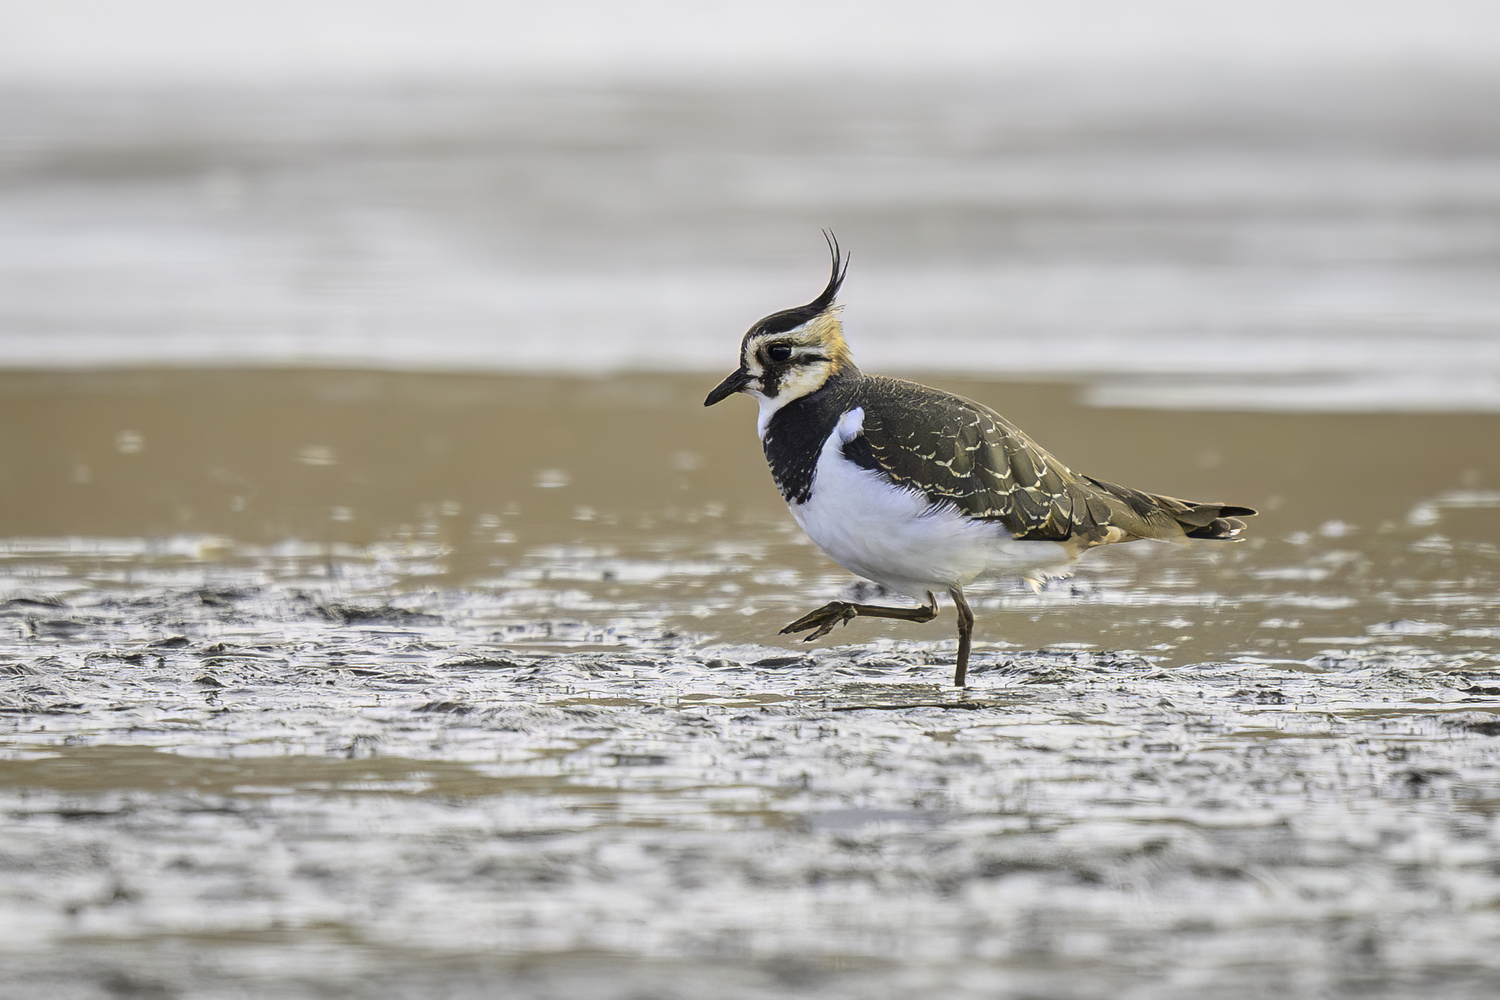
point(781, 354)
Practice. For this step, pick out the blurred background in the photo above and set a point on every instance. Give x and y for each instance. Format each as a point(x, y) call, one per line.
point(1268, 204)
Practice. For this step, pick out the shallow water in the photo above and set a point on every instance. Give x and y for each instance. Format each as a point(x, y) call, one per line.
point(319, 683)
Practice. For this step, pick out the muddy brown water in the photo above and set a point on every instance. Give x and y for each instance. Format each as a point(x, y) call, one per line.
point(331, 683)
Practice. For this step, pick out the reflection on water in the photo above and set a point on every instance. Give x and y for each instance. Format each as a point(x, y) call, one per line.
point(457, 681)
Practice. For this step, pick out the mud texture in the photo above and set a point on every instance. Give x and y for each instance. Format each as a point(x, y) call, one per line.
point(296, 789)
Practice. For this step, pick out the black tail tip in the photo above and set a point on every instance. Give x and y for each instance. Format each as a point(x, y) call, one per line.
point(1222, 527)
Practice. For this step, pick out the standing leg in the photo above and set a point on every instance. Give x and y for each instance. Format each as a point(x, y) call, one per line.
point(965, 633)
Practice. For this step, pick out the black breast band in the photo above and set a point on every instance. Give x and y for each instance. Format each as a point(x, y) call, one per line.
point(794, 439)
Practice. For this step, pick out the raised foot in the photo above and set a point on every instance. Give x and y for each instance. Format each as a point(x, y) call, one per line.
point(836, 613)
point(823, 620)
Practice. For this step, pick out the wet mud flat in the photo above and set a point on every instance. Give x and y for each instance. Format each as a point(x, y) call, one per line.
point(271, 792)
point(338, 684)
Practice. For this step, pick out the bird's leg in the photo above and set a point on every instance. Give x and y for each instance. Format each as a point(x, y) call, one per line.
point(836, 613)
point(965, 633)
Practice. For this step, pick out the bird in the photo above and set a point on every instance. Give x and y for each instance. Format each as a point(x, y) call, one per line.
point(919, 490)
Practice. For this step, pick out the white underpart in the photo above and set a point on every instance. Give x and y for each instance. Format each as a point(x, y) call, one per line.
point(895, 537)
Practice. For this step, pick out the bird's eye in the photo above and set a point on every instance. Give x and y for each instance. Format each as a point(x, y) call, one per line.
point(779, 352)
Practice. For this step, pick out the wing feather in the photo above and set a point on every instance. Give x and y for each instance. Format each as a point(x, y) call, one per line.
point(963, 454)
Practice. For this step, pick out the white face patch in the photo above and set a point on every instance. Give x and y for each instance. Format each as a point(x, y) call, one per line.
point(768, 408)
point(817, 350)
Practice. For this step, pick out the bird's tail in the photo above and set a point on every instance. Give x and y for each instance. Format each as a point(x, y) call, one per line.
point(1208, 520)
point(1162, 517)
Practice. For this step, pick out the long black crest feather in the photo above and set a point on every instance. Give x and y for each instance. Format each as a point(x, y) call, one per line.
point(790, 319)
point(838, 268)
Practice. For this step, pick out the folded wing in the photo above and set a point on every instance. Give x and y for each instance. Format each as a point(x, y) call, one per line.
point(964, 454)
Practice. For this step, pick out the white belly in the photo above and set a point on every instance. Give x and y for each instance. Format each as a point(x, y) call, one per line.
point(896, 538)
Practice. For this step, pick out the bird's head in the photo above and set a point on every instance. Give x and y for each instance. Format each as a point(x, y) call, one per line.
point(793, 352)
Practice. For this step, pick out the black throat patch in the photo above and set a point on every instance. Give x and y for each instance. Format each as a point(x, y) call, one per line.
point(796, 432)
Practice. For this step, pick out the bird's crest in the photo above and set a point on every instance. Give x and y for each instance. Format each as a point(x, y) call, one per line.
point(817, 322)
